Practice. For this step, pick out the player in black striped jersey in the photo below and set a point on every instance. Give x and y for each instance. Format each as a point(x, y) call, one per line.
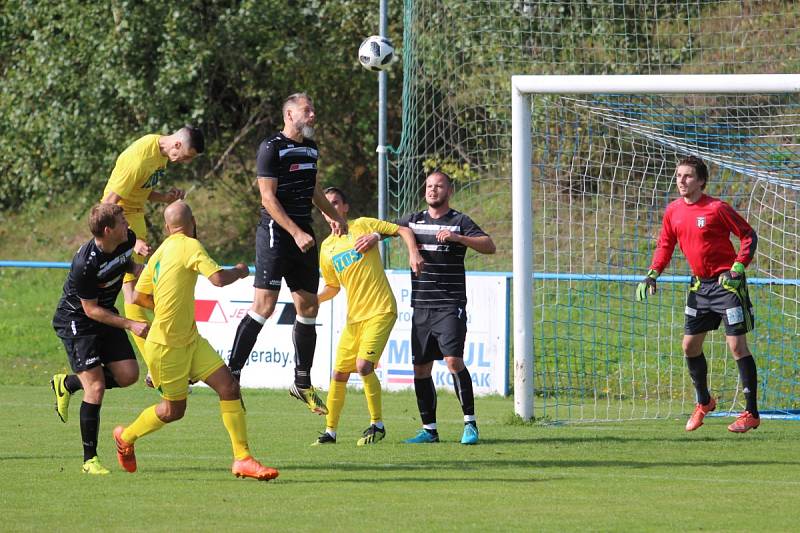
point(439, 299)
point(285, 245)
point(91, 328)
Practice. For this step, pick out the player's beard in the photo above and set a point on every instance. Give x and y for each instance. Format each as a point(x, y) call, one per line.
point(435, 203)
point(307, 131)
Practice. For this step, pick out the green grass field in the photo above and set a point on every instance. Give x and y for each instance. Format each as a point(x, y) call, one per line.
point(621, 476)
point(634, 476)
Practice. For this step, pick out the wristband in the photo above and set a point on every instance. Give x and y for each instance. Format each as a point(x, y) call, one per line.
point(652, 273)
point(738, 268)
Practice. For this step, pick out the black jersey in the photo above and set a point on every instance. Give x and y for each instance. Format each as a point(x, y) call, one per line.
point(94, 274)
point(442, 283)
point(294, 165)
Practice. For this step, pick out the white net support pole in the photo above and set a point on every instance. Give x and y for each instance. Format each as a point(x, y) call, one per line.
point(522, 89)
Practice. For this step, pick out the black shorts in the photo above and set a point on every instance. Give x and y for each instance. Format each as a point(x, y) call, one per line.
point(88, 351)
point(278, 257)
point(708, 304)
point(436, 333)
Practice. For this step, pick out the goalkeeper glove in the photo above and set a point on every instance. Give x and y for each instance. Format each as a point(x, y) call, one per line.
point(734, 279)
point(648, 284)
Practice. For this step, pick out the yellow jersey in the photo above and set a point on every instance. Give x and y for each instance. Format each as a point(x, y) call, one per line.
point(170, 276)
point(362, 275)
point(136, 173)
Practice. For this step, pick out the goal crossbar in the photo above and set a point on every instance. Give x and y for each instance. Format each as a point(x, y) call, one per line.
point(522, 89)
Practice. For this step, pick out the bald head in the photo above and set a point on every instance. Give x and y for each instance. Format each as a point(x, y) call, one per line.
point(178, 218)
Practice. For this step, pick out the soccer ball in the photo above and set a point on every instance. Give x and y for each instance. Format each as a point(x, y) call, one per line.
point(376, 53)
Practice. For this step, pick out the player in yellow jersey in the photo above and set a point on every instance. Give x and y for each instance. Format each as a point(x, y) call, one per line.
point(176, 353)
point(346, 261)
point(132, 184)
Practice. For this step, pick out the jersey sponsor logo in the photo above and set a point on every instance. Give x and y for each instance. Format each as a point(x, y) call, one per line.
point(701, 221)
point(294, 167)
point(431, 229)
point(434, 247)
point(152, 181)
point(299, 151)
point(343, 260)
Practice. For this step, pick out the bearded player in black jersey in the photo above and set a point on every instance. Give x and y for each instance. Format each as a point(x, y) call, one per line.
point(91, 328)
point(439, 299)
point(286, 166)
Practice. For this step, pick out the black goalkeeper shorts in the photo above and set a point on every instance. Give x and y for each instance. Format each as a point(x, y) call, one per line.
point(708, 304)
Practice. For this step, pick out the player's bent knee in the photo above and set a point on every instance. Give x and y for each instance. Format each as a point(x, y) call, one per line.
point(171, 411)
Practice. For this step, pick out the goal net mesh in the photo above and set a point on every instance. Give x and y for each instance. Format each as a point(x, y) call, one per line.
point(603, 173)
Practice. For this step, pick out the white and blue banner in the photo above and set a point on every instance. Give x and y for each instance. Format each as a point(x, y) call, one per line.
point(271, 362)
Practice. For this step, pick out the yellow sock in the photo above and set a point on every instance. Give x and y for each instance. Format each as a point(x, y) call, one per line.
point(147, 422)
point(139, 314)
point(235, 422)
point(335, 403)
point(372, 390)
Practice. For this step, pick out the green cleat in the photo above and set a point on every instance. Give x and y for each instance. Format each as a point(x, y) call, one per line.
point(371, 435)
point(62, 396)
point(309, 397)
point(93, 466)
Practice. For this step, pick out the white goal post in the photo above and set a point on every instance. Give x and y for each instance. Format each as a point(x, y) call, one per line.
point(523, 88)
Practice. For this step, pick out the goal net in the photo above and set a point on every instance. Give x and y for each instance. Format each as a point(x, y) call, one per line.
point(458, 58)
point(592, 176)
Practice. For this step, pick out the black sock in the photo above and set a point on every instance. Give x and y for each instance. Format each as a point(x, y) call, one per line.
point(749, 377)
point(698, 370)
point(426, 399)
point(90, 424)
point(462, 382)
point(111, 383)
point(72, 383)
point(246, 335)
point(304, 337)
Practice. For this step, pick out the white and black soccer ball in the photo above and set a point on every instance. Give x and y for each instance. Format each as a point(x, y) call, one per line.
point(376, 53)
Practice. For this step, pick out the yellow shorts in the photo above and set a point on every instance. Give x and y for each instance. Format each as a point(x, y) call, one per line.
point(172, 368)
point(363, 340)
point(138, 226)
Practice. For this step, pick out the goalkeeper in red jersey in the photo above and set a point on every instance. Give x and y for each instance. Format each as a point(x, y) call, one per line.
point(702, 225)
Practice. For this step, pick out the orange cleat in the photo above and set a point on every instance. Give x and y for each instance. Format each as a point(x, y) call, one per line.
point(250, 467)
point(700, 412)
point(125, 454)
point(744, 423)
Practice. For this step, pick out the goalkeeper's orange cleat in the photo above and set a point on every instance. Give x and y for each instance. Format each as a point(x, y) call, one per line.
point(700, 412)
point(250, 467)
point(125, 454)
point(744, 423)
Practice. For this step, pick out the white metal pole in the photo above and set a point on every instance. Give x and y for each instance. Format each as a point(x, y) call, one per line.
point(659, 84)
point(382, 173)
point(522, 252)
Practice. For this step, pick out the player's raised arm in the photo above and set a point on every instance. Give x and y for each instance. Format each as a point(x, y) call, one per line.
point(226, 276)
